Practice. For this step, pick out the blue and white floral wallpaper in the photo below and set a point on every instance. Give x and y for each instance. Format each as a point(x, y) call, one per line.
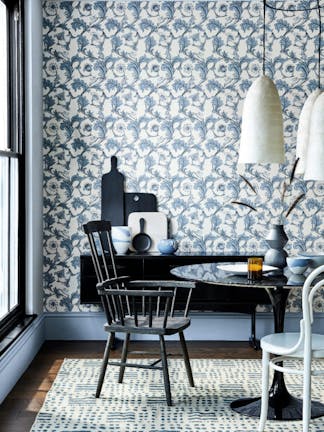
point(161, 85)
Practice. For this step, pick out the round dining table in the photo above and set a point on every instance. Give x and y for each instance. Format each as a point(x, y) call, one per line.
point(278, 284)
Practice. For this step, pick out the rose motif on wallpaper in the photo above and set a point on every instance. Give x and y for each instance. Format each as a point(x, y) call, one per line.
point(161, 85)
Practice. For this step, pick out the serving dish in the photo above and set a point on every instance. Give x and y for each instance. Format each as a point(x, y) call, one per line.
point(241, 269)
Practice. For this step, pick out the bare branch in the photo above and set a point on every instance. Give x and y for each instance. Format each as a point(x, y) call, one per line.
point(244, 204)
point(284, 189)
point(293, 205)
point(248, 183)
point(292, 175)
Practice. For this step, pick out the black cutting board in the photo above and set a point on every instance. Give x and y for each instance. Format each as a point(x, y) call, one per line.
point(139, 202)
point(112, 195)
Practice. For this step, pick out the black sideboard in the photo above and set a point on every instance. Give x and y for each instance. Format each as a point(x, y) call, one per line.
point(206, 298)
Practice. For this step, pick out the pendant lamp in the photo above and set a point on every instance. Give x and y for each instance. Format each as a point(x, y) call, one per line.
point(314, 167)
point(304, 131)
point(310, 134)
point(262, 123)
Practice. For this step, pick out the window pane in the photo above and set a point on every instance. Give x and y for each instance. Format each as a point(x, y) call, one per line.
point(4, 226)
point(3, 78)
point(12, 308)
point(13, 252)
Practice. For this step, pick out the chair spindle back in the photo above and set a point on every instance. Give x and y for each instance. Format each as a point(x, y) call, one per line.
point(156, 300)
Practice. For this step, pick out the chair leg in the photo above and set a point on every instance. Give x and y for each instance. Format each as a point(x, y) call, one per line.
point(104, 363)
point(186, 359)
point(123, 358)
point(307, 393)
point(265, 390)
point(165, 371)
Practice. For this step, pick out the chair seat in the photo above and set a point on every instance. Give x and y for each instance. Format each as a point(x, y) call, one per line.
point(174, 325)
point(278, 343)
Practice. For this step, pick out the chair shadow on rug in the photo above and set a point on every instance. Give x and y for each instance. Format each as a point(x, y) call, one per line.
point(137, 307)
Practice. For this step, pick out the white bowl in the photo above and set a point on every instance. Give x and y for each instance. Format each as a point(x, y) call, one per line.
point(298, 264)
point(315, 260)
point(121, 238)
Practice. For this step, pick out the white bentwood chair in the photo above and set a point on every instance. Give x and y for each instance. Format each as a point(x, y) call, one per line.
point(304, 345)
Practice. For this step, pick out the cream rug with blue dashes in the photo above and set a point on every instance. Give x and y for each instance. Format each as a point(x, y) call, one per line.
point(138, 405)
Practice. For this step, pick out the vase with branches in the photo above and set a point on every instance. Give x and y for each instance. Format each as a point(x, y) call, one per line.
point(276, 238)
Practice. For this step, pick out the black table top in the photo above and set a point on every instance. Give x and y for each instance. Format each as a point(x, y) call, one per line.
point(210, 273)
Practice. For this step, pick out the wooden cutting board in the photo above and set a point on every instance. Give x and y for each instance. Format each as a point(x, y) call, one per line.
point(139, 202)
point(156, 226)
point(112, 195)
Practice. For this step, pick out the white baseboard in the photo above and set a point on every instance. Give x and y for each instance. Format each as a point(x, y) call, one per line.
point(216, 326)
point(19, 355)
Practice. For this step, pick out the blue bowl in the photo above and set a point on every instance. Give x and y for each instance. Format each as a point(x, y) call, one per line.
point(315, 260)
point(298, 265)
point(167, 246)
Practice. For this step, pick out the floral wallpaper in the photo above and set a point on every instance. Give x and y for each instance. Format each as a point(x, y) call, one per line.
point(161, 85)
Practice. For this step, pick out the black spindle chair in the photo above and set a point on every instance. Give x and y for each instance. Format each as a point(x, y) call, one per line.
point(145, 307)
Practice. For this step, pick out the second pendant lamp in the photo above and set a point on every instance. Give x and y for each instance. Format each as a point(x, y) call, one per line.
point(303, 131)
point(310, 134)
point(262, 123)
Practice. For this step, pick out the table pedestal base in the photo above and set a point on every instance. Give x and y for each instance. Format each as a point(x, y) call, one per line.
point(291, 411)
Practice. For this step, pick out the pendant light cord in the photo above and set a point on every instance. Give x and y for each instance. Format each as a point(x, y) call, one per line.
point(318, 8)
point(319, 42)
point(264, 36)
point(293, 10)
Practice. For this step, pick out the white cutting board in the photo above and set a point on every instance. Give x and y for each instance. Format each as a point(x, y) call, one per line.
point(156, 226)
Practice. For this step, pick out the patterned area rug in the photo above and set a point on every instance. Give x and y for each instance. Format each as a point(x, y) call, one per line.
point(138, 405)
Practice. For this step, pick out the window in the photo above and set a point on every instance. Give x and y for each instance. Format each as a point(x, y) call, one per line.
point(11, 167)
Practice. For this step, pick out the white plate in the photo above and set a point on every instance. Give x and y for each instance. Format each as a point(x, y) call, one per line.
point(241, 268)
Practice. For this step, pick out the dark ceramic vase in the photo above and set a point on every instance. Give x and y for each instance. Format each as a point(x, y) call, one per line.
point(276, 239)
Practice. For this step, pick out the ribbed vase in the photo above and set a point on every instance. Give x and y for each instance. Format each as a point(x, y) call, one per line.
point(276, 239)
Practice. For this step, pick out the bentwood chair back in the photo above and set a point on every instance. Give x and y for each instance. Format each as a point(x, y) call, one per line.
point(304, 346)
point(136, 307)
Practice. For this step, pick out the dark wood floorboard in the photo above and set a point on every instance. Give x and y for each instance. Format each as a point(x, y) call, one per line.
point(18, 411)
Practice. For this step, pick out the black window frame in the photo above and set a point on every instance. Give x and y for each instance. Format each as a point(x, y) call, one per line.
point(16, 149)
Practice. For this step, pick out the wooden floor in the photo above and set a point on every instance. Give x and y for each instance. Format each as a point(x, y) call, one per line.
point(18, 411)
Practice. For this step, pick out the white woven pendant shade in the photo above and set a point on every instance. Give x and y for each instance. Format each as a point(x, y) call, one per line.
point(304, 130)
point(262, 124)
point(314, 168)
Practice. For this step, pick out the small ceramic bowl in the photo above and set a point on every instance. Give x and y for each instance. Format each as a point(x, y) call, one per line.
point(167, 246)
point(315, 260)
point(298, 265)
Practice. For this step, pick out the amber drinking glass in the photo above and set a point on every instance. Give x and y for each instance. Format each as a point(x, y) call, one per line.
point(255, 268)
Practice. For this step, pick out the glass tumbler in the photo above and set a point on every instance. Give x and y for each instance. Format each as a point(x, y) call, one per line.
point(255, 268)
